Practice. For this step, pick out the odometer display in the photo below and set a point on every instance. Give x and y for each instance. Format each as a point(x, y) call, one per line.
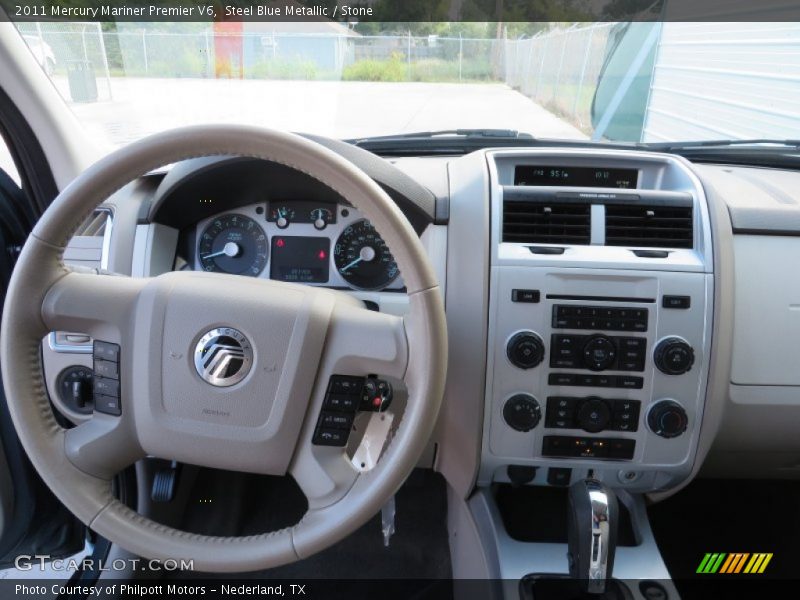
point(233, 244)
point(363, 259)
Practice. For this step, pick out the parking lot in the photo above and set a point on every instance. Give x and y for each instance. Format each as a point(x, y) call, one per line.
point(339, 109)
point(137, 107)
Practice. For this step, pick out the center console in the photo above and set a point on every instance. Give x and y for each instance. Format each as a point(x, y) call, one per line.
point(599, 325)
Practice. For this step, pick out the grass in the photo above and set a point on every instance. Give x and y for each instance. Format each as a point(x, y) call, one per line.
point(396, 68)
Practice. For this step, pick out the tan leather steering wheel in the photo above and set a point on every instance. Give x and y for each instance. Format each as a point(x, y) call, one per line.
point(300, 336)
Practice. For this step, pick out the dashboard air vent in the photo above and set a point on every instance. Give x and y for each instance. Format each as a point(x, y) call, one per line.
point(546, 223)
point(86, 246)
point(649, 226)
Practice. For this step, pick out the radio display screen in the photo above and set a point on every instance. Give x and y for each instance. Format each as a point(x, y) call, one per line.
point(301, 259)
point(576, 176)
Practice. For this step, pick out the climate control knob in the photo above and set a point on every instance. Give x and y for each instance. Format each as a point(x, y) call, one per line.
point(673, 356)
point(525, 350)
point(599, 353)
point(522, 412)
point(593, 415)
point(667, 419)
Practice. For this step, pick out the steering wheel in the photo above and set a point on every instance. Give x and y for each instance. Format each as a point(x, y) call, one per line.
point(289, 337)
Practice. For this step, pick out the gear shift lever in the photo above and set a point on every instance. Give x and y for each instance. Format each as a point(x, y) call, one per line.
point(592, 534)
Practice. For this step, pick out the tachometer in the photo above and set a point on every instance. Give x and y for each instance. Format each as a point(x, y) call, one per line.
point(233, 244)
point(362, 257)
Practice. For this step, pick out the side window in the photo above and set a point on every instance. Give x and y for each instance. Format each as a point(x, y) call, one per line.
point(7, 163)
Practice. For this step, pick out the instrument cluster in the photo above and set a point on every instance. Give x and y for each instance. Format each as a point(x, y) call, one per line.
point(299, 241)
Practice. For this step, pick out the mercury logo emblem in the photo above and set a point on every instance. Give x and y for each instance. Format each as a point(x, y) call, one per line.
point(223, 356)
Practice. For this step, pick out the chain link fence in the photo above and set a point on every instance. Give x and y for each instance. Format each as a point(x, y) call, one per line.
point(82, 55)
point(559, 69)
point(73, 55)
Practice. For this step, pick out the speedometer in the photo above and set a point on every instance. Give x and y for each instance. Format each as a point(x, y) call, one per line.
point(363, 259)
point(233, 244)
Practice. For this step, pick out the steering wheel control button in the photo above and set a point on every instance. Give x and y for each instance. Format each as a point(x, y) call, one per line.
point(599, 353)
point(105, 382)
point(525, 350)
point(339, 402)
point(525, 296)
point(673, 356)
point(345, 385)
point(331, 437)
point(682, 302)
point(667, 418)
point(376, 395)
point(335, 420)
point(521, 412)
point(107, 404)
point(75, 388)
point(223, 356)
point(593, 415)
point(106, 351)
point(342, 399)
point(106, 387)
point(106, 368)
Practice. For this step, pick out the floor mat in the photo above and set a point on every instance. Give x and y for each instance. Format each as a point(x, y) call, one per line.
point(418, 550)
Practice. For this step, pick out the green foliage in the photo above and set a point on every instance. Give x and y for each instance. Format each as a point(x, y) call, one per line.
point(393, 69)
point(185, 64)
point(434, 70)
point(303, 70)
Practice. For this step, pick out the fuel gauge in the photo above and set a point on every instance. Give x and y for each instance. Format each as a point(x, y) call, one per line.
point(281, 215)
point(322, 217)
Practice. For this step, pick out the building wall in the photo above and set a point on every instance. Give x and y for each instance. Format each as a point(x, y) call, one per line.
point(725, 80)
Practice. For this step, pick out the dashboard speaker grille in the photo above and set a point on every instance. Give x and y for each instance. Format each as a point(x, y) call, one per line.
point(546, 223)
point(649, 226)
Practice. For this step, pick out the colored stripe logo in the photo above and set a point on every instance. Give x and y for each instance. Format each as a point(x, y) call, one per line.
point(736, 562)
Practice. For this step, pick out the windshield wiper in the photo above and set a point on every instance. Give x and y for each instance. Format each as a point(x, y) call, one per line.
point(468, 133)
point(442, 141)
point(711, 144)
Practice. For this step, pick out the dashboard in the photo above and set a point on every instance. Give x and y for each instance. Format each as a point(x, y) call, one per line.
point(598, 301)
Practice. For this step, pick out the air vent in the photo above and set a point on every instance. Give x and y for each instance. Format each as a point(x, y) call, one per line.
point(649, 226)
point(86, 246)
point(546, 223)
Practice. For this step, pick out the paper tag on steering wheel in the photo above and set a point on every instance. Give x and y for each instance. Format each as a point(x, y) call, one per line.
point(374, 440)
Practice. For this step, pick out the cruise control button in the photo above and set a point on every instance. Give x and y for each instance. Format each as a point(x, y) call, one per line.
point(106, 368)
point(106, 387)
point(107, 405)
point(106, 351)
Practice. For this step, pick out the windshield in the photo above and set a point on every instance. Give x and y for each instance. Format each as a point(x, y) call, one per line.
point(651, 82)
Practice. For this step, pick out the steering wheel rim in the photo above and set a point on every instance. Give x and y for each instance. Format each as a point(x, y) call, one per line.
point(78, 464)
